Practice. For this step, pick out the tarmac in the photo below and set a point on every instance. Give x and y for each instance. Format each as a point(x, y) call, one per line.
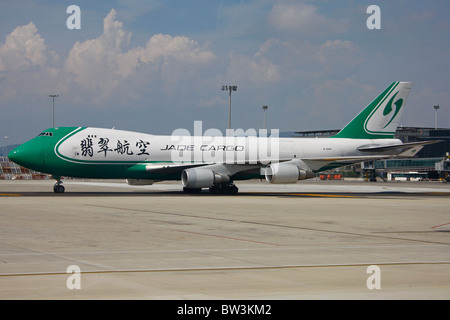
point(311, 240)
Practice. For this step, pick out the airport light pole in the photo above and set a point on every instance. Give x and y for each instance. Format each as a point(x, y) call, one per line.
point(5, 149)
point(53, 96)
point(435, 115)
point(229, 89)
point(265, 108)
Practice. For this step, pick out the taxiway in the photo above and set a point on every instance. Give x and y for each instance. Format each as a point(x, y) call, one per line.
point(311, 240)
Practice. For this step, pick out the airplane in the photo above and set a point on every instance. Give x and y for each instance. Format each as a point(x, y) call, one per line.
point(216, 162)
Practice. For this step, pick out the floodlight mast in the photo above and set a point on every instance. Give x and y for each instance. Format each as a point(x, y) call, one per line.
point(264, 109)
point(436, 108)
point(53, 96)
point(229, 89)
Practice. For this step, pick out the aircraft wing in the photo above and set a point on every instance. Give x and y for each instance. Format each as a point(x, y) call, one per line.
point(314, 164)
point(170, 167)
point(221, 168)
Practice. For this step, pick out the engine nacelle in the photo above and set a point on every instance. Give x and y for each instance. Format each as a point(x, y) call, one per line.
point(284, 173)
point(196, 178)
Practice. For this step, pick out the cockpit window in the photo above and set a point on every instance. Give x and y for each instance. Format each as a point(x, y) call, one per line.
point(48, 134)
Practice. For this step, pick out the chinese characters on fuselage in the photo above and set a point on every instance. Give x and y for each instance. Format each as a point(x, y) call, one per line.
point(105, 146)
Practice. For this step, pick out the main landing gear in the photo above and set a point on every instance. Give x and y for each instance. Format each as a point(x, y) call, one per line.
point(58, 187)
point(192, 190)
point(228, 188)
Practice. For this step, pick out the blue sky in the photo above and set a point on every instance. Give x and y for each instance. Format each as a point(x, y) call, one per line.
point(156, 66)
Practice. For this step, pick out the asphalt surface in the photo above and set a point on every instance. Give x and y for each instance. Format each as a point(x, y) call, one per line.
point(311, 240)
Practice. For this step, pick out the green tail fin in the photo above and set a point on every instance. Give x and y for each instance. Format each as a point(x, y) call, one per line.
point(379, 120)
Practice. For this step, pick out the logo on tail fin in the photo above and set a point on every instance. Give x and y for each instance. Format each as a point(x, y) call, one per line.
point(388, 109)
point(385, 116)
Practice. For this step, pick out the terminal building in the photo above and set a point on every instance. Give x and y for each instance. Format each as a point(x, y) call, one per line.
point(431, 163)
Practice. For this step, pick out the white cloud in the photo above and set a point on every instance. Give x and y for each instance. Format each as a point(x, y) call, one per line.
point(292, 17)
point(303, 19)
point(23, 48)
point(338, 57)
point(329, 49)
point(104, 71)
point(27, 67)
point(94, 63)
point(172, 56)
point(177, 48)
point(103, 63)
point(307, 61)
point(258, 69)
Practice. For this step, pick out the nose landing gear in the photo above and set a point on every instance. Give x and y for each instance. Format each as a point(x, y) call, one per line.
point(58, 187)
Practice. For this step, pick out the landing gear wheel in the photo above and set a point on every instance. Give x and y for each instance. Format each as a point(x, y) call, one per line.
point(224, 189)
point(58, 187)
point(233, 189)
point(192, 190)
point(214, 189)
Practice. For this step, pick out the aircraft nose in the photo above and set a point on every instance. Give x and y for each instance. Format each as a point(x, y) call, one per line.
point(16, 155)
point(23, 155)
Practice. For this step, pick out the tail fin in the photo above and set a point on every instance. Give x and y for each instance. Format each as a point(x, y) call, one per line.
point(379, 120)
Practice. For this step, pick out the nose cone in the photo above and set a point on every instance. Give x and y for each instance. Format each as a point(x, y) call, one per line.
point(19, 155)
point(13, 155)
point(25, 155)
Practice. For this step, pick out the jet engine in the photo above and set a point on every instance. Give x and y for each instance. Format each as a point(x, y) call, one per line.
point(197, 178)
point(286, 173)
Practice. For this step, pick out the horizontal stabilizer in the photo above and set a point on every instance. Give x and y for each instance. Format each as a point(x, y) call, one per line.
point(396, 148)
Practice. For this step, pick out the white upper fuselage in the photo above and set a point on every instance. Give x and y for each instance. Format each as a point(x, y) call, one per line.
point(97, 145)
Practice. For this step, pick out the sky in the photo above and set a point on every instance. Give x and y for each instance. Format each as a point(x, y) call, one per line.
point(155, 66)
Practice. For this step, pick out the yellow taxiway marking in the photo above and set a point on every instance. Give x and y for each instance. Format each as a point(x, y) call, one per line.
point(437, 193)
point(10, 195)
point(321, 195)
point(303, 194)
